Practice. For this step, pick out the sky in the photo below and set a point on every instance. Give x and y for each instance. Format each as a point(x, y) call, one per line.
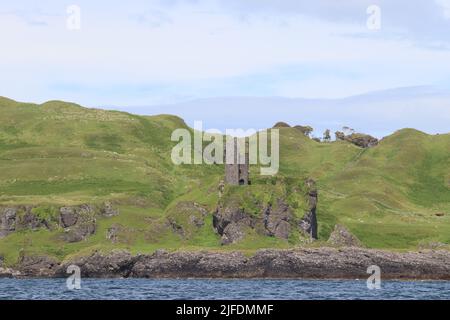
point(144, 53)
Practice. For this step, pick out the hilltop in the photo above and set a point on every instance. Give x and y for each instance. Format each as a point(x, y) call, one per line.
point(112, 171)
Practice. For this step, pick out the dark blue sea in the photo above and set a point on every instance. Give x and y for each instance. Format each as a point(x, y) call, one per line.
point(137, 289)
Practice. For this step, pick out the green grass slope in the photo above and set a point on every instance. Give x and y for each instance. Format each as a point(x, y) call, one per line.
point(59, 153)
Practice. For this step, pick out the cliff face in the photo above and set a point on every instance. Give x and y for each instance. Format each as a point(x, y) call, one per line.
point(232, 222)
point(346, 263)
point(274, 217)
point(308, 224)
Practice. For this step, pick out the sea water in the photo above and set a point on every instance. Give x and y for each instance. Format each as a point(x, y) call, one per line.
point(137, 289)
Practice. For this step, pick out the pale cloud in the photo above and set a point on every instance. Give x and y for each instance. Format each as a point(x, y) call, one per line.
point(445, 4)
point(159, 51)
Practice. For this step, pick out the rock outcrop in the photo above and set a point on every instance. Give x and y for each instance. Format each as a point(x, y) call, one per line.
point(20, 217)
point(360, 139)
point(309, 222)
point(162, 264)
point(30, 220)
point(8, 273)
point(78, 222)
point(277, 220)
point(231, 223)
point(339, 135)
point(113, 233)
point(118, 263)
point(186, 217)
point(37, 266)
point(319, 263)
point(84, 228)
point(68, 216)
point(341, 236)
point(7, 221)
point(108, 210)
point(233, 233)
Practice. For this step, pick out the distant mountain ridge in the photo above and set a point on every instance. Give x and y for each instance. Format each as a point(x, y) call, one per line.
point(378, 113)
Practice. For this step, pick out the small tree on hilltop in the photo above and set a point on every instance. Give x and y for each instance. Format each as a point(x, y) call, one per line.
point(327, 136)
point(339, 135)
point(306, 130)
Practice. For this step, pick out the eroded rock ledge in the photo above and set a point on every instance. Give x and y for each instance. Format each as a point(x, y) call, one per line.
point(78, 222)
point(271, 218)
point(322, 263)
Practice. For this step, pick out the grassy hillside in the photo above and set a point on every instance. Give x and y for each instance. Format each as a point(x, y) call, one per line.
point(388, 195)
point(58, 154)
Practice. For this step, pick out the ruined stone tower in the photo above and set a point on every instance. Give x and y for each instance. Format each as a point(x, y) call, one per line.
point(237, 172)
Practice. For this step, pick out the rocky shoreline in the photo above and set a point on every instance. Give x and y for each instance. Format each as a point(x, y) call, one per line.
point(304, 263)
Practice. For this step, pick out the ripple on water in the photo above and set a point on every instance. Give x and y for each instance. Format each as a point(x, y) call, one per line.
point(137, 289)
